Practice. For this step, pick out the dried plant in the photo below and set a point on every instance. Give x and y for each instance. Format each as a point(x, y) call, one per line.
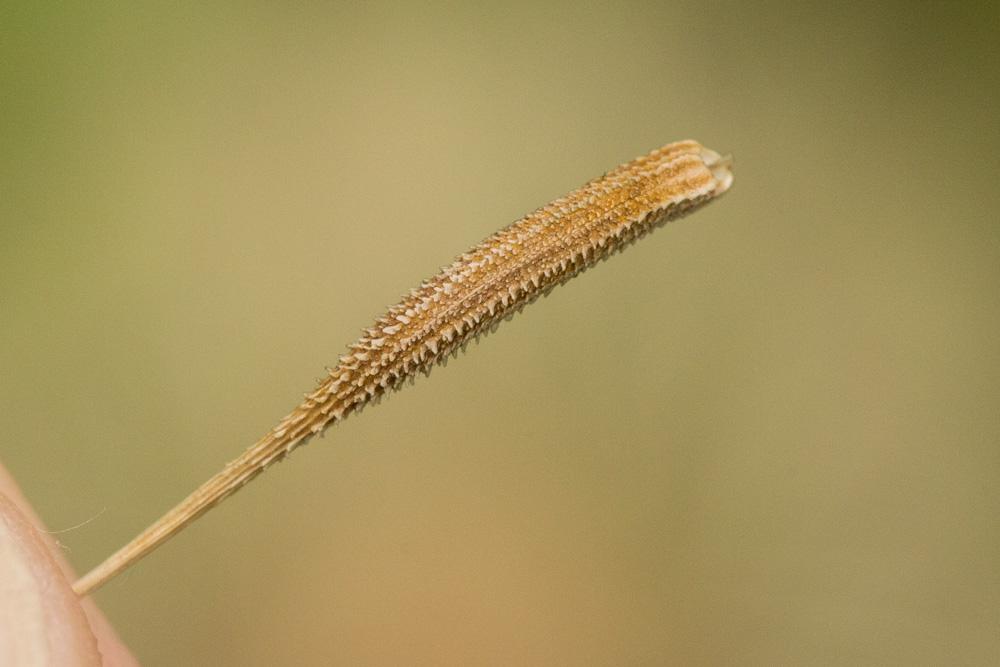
point(490, 282)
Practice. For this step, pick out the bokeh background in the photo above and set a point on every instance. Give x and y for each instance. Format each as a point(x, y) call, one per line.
point(768, 434)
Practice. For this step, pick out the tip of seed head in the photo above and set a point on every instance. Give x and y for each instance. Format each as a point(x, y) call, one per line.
point(721, 167)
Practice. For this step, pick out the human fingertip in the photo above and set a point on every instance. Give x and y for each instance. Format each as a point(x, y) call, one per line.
point(41, 620)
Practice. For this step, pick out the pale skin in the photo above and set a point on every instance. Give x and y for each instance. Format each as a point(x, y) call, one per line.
point(42, 621)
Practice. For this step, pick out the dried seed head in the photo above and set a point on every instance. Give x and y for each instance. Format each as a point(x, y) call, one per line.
point(483, 286)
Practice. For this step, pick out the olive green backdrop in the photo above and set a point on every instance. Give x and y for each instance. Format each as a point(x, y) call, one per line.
point(768, 434)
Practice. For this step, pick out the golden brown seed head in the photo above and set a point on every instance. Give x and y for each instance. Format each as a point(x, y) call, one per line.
point(481, 287)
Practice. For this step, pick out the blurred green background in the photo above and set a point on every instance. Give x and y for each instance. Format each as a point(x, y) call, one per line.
point(767, 434)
